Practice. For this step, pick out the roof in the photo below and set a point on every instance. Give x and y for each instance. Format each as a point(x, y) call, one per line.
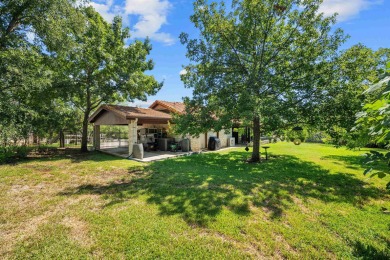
point(175, 107)
point(127, 112)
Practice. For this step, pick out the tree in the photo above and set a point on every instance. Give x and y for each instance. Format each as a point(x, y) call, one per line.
point(375, 121)
point(265, 62)
point(357, 67)
point(51, 21)
point(29, 29)
point(101, 68)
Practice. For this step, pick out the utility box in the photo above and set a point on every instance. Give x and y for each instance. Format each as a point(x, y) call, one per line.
point(231, 142)
point(163, 143)
point(185, 145)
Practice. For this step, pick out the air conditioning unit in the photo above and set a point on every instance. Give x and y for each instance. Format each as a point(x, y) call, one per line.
point(232, 141)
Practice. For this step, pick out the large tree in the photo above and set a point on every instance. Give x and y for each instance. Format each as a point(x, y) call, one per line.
point(357, 67)
point(261, 61)
point(51, 21)
point(29, 30)
point(102, 68)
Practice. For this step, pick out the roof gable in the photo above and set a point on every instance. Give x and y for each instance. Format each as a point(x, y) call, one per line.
point(173, 107)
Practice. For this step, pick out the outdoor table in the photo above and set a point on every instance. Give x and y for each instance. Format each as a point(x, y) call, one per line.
point(266, 154)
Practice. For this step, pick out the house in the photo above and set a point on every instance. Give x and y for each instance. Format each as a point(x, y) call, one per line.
point(149, 123)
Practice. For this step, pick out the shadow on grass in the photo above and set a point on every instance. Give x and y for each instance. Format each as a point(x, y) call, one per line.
point(368, 252)
point(199, 187)
point(73, 154)
point(353, 161)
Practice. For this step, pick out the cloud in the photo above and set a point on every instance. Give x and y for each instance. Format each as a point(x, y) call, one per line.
point(150, 16)
point(183, 72)
point(105, 9)
point(346, 9)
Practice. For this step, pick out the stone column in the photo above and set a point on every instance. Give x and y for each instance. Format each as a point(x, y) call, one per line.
point(195, 144)
point(132, 134)
point(96, 137)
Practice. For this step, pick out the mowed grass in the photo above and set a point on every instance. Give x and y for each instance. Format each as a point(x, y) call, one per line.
point(307, 201)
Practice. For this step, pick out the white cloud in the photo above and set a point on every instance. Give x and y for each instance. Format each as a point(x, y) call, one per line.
point(104, 9)
point(183, 72)
point(346, 9)
point(151, 16)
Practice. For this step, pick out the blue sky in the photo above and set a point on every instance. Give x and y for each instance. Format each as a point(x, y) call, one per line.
point(365, 21)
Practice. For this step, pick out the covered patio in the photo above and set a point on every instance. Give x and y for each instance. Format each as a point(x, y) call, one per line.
point(147, 129)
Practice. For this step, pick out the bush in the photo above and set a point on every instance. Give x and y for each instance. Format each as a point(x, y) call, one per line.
point(10, 154)
point(45, 150)
point(317, 137)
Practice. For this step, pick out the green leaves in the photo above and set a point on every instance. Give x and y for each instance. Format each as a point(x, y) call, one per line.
point(253, 60)
point(378, 164)
point(101, 68)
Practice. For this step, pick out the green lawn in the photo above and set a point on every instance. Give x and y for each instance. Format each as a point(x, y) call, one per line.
point(307, 201)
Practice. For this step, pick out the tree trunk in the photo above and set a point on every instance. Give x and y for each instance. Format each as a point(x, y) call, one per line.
point(256, 140)
point(62, 139)
point(84, 136)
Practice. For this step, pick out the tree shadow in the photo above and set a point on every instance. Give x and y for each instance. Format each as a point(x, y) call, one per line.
point(353, 161)
point(74, 155)
point(368, 252)
point(199, 187)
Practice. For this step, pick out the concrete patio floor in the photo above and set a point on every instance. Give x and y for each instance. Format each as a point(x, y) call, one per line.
point(148, 156)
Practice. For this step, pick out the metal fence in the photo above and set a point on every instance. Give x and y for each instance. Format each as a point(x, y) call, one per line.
point(113, 140)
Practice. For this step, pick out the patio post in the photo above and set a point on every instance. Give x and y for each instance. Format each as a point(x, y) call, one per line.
point(96, 137)
point(132, 134)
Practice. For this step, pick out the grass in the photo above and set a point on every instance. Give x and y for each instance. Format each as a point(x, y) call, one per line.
point(307, 201)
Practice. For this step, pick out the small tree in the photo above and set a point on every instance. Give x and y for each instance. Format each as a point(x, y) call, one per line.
point(101, 68)
point(263, 61)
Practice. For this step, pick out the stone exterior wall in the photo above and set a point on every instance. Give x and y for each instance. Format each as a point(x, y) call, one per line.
point(132, 135)
point(224, 138)
point(195, 144)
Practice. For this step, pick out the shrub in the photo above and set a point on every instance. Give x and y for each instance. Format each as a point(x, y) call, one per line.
point(9, 154)
point(317, 137)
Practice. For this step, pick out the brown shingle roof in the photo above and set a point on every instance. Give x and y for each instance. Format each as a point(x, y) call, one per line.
point(137, 112)
point(175, 107)
point(131, 112)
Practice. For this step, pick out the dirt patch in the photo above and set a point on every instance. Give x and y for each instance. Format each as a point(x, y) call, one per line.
point(281, 241)
point(78, 231)
point(248, 247)
point(9, 238)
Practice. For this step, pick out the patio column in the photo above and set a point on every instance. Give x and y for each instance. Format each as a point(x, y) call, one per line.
point(132, 134)
point(96, 137)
